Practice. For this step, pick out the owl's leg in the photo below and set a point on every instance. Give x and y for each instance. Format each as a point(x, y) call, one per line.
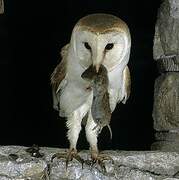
point(74, 128)
point(92, 135)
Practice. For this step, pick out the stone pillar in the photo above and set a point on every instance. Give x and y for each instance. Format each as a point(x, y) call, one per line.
point(166, 93)
point(1, 7)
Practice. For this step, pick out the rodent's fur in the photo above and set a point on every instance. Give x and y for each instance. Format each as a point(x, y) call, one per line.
point(100, 109)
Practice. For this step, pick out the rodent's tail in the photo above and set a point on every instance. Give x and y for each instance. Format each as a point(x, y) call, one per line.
point(110, 131)
point(100, 129)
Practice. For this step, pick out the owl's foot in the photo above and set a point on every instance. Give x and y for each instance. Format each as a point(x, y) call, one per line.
point(99, 159)
point(72, 153)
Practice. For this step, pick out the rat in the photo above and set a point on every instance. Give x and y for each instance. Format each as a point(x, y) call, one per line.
point(100, 109)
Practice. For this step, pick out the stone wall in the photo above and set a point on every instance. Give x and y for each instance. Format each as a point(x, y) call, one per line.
point(20, 163)
point(166, 95)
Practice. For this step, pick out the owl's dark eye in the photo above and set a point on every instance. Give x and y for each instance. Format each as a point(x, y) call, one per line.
point(109, 46)
point(87, 46)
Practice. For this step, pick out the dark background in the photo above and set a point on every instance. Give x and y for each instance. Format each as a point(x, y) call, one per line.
point(31, 35)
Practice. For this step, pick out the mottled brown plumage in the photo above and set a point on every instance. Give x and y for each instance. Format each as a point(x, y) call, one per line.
point(58, 75)
point(102, 23)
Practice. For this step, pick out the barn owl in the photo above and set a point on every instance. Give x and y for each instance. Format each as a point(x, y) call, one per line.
point(96, 39)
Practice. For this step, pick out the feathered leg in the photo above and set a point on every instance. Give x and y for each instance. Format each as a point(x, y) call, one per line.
point(74, 128)
point(92, 135)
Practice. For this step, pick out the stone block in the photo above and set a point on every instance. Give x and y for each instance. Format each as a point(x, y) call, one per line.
point(166, 102)
point(166, 40)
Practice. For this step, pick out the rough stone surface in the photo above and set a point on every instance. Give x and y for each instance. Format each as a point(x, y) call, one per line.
point(165, 146)
point(1, 6)
point(166, 94)
point(168, 64)
point(166, 40)
point(166, 102)
point(17, 164)
point(167, 136)
point(174, 10)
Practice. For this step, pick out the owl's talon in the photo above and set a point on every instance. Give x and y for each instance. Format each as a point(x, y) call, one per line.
point(102, 165)
point(106, 158)
point(89, 162)
point(79, 159)
point(99, 159)
point(69, 157)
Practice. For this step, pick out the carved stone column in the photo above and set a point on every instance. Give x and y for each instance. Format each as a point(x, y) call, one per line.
point(1, 7)
point(166, 93)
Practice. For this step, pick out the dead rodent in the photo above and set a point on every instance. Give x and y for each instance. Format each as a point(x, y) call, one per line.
point(100, 109)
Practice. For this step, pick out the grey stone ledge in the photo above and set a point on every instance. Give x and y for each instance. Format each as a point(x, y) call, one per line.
point(17, 164)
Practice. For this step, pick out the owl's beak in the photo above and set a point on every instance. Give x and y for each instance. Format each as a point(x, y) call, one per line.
point(97, 57)
point(97, 67)
point(97, 63)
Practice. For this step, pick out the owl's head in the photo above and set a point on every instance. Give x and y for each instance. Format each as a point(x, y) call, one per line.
point(101, 39)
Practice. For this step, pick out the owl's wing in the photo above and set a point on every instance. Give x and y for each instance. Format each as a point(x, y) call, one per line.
point(58, 76)
point(126, 84)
